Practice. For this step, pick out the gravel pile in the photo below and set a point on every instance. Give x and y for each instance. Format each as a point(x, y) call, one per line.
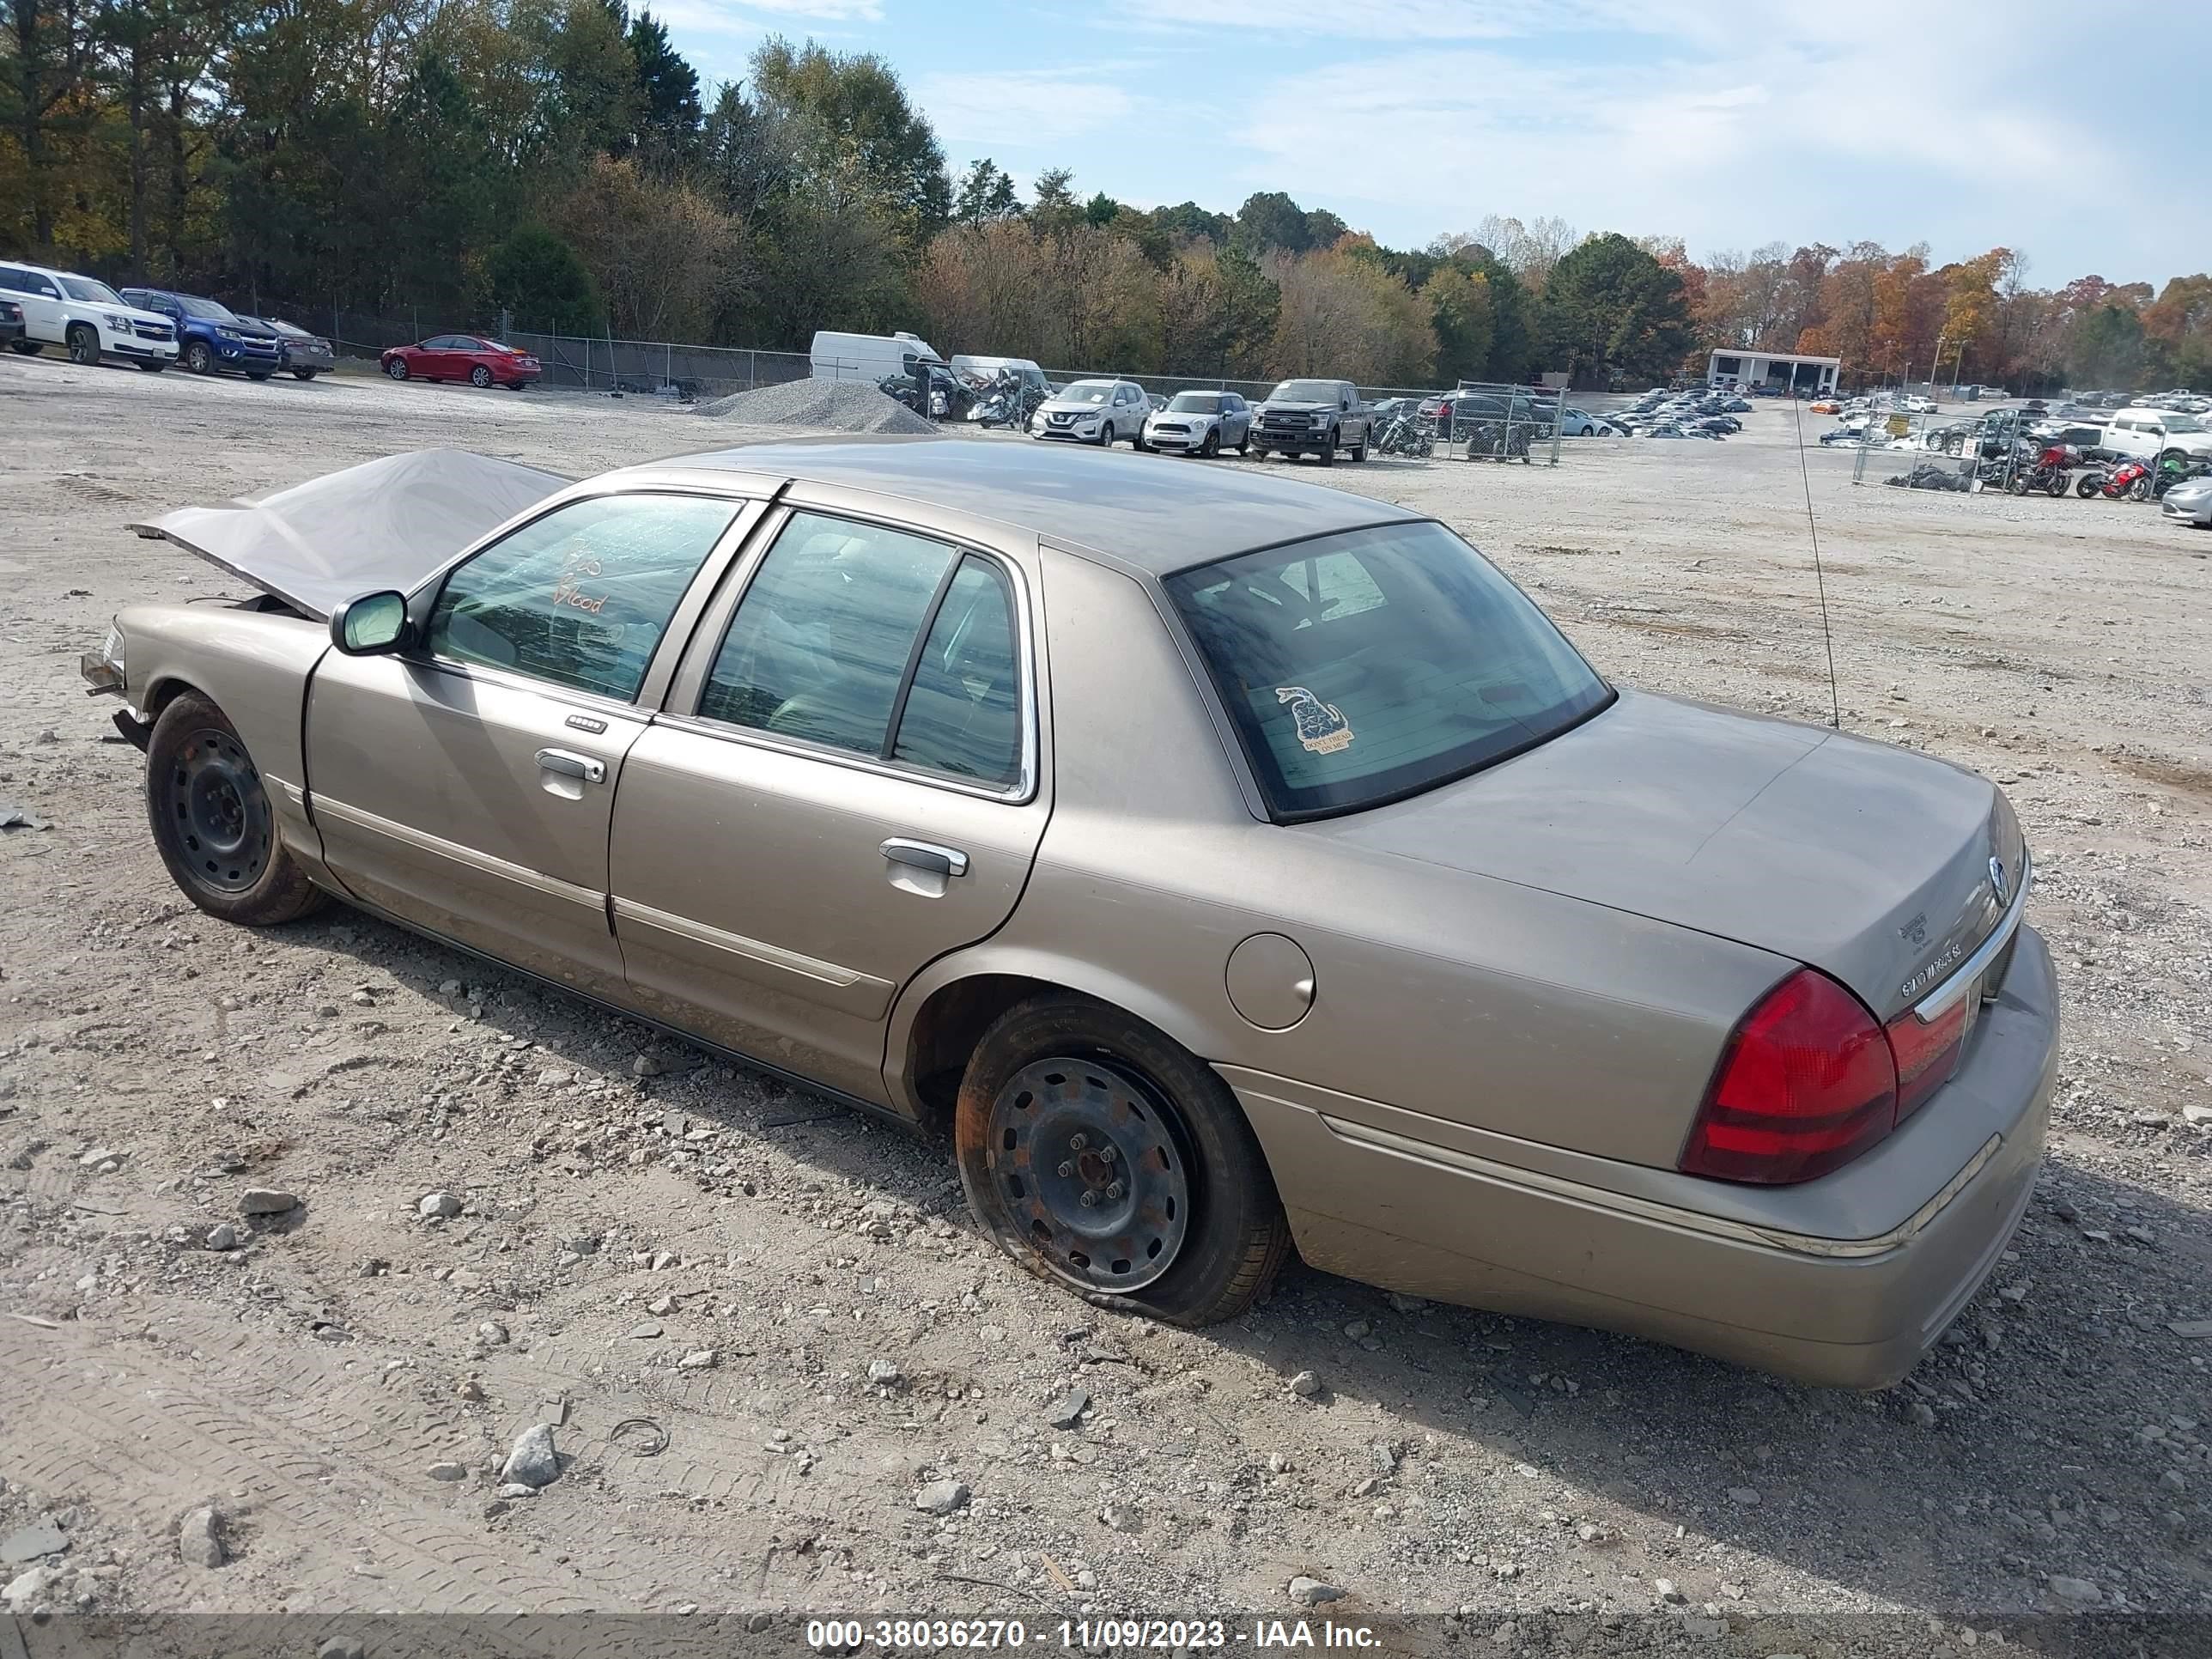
point(847, 405)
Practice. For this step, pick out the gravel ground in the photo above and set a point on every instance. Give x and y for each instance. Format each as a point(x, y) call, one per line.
point(779, 1370)
point(839, 405)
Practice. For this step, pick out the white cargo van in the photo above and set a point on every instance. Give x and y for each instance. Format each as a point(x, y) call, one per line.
point(870, 357)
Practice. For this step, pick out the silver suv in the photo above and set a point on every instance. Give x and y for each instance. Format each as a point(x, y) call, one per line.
point(1102, 412)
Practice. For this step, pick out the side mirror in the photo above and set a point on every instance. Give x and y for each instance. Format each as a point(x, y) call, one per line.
point(371, 625)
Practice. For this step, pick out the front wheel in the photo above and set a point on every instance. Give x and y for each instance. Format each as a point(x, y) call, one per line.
point(152, 365)
point(84, 345)
point(212, 819)
point(1212, 446)
point(199, 358)
point(2057, 485)
point(480, 377)
point(259, 374)
point(1327, 457)
point(2085, 487)
point(397, 368)
point(304, 374)
point(1100, 1154)
point(1106, 438)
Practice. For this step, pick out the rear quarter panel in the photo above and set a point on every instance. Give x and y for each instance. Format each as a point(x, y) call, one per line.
point(254, 666)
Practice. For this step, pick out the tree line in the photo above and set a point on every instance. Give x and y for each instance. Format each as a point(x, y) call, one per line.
point(560, 162)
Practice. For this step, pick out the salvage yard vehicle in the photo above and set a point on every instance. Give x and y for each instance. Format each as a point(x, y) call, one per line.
point(2150, 434)
point(1200, 423)
point(1310, 418)
point(11, 322)
point(305, 353)
point(1230, 864)
point(210, 336)
point(1102, 412)
point(86, 317)
point(2189, 503)
point(482, 362)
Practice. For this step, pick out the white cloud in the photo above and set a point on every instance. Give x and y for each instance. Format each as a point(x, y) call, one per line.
point(1024, 109)
point(1390, 21)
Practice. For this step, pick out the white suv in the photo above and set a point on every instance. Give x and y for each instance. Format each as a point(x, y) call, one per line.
point(1102, 412)
point(86, 317)
point(2147, 433)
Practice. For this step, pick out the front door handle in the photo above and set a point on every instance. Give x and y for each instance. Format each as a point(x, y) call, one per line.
point(570, 764)
point(926, 856)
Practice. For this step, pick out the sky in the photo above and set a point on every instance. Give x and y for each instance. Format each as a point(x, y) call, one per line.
point(1730, 124)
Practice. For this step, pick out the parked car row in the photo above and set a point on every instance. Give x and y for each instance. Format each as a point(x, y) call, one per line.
point(1696, 413)
point(1320, 418)
point(151, 327)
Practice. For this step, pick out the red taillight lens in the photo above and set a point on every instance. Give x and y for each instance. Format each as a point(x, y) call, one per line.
point(1927, 1054)
point(1806, 1084)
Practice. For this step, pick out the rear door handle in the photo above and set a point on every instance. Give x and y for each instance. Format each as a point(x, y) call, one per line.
point(570, 764)
point(926, 856)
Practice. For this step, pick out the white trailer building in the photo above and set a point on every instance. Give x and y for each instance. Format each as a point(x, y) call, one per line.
point(1808, 377)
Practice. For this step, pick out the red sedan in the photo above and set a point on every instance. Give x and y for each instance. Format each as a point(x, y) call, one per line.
point(470, 357)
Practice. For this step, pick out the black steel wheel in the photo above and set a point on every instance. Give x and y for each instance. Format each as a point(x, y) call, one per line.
point(480, 377)
point(213, 822)
point(1101, 1155)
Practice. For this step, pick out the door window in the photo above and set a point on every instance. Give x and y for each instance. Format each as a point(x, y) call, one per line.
point(580, 597)
point(877, 643)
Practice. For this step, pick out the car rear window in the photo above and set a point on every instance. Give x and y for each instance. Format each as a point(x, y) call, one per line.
point(1362, 667)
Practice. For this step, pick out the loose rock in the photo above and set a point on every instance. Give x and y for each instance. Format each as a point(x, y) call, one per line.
point(1745, 1495)
point(224, 1236)
point(699, 1359)
point(199, 1540)
point(1312, 1592)
point(2078, 1591)
point(444, 1205)
point(885, 1373)
point(533, 1463)
point(1066, 1411)
point(267, 1200)
point(448, 1471)
point(29, 1543)
point(941, 1498)
point(1305, 1385)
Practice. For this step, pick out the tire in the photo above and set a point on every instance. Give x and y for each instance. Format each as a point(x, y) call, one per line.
point(1106, 436)
point(27, 348)
point(1212, 446)
point(1164, 1127)
point(2179, 457)
point(199, 358)
point(303, 373)
point(1327, 456)
point(263, 375)
point(213, 824)
point(2086, 486)
point(1359, 449)
point(84, 345)
point(480, 377)
point(2140, 490)
point(1244, 444)
point(2056, 486)
point(152, 368)
point(397, 368)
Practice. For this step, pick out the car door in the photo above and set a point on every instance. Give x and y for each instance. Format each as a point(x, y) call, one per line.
point(847, 784)
point(1238, 420)
point(44, 318)
point(467, 784)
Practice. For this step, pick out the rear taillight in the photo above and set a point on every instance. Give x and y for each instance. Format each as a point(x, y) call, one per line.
point(1927, 1053)
point(1808, 1083)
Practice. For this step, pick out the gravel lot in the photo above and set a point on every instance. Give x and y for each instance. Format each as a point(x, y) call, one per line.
point(792, 1300)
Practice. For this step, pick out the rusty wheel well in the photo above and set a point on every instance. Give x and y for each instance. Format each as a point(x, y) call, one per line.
point(947, 1028)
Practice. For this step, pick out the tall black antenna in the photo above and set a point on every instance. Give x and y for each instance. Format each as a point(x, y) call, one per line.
point(1819, 580)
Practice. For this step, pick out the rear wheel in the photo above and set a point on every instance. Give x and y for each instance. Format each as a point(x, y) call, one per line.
point(27, 348)
point(2086, 486)
point(1101, 1155)
point(212, 820)
point(1359, 449)
point(2140, 490)
point(153, 365)
point(480, 377)
point(84, 345)
point(304, 374)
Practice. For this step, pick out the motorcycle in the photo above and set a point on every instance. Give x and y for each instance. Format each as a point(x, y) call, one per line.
point(1407, 434)
point(2128, 480)
point(2049, 473)
point(1005, 401)
point(2174, 470)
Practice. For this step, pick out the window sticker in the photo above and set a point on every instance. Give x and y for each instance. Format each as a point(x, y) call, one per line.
point(1322, 726)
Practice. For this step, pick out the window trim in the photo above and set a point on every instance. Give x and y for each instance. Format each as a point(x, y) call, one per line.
point(748, 566)
point(746, 511)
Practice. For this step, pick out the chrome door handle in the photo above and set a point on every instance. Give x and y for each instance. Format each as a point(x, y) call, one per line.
point(569, 764)
point(926, 856)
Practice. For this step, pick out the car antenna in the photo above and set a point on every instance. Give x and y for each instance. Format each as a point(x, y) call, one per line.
point(1819, 577)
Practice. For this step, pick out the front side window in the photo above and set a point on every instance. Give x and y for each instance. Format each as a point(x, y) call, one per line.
point(877, 642)
point(580, 597)
point(1365, 666)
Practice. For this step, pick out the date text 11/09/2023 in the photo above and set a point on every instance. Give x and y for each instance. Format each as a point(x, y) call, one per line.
point(844, 1636)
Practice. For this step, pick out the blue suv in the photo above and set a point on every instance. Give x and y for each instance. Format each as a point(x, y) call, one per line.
point(211, 336)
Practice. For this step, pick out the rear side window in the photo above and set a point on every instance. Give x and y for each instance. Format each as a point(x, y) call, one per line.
point(877, 642)
point(580, 597)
